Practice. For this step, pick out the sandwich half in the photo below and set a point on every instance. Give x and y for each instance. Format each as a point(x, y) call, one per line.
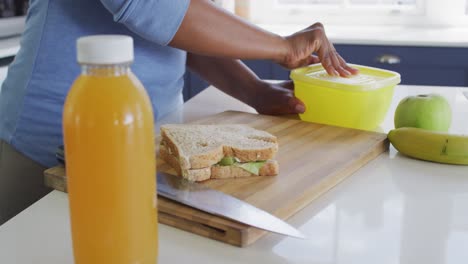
point(202, 152)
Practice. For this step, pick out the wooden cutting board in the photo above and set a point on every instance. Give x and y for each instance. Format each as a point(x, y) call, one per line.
point(313, 158)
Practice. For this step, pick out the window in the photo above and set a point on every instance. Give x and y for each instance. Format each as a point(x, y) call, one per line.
point(363, 12)
point(352, 5)
point(349, 2)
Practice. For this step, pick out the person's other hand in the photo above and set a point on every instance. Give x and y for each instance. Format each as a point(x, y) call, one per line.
point(310, 46)
point(277, 99)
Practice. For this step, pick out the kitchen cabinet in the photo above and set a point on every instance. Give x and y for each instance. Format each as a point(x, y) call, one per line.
point(417, 65)
point(440, 66)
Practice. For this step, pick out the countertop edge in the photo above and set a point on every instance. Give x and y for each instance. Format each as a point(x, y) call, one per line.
point(385, 35)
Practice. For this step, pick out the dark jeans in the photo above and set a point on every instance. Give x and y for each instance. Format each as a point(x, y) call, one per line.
point(21, 182)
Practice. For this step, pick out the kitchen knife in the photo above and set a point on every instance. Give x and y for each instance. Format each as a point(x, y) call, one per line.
point(203, 198)
point(218, 203)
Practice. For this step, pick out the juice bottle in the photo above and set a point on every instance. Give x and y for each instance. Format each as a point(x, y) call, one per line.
point(110, 157)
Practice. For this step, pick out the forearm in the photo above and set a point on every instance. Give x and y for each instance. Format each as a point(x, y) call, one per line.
point(237, 80)
point(209, 30)
point(200, 27)
point(231, 76)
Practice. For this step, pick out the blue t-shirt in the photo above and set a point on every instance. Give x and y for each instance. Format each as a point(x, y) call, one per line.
point(38, 80)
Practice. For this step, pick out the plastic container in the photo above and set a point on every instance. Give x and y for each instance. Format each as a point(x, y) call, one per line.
point(360, 101)
point(110, 150)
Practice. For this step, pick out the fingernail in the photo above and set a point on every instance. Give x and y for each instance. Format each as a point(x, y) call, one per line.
point(300, 108)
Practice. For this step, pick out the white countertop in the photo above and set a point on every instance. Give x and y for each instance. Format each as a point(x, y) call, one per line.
point(9, 46)
point(455, 37)
point(393, 210)
point(386, 35)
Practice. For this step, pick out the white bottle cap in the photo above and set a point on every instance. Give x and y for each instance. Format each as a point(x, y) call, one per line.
point(104, 49)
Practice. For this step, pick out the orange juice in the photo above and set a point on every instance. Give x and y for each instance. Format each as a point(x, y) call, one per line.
point(110, 163)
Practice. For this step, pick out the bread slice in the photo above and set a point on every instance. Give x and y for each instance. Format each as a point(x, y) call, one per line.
point(194, 150)
point(200, 146)
point(191, 175)
point(270, 168)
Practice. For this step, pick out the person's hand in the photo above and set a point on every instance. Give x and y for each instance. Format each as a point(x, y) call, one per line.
point(311, 45)
point(276, 99)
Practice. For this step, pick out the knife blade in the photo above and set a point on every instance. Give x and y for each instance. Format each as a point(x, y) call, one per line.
point(218, 203)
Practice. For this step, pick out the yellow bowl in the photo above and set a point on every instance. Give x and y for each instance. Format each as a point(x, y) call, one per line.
point(360, 101)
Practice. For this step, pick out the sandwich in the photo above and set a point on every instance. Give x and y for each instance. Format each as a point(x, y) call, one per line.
point(202, 152)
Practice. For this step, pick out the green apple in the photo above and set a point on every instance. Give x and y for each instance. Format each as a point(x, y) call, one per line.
point(426, 111)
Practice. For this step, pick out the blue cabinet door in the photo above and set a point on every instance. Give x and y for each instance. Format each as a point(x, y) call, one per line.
point(417, 65)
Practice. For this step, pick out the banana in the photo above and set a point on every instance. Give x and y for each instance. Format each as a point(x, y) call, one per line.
point(430, 145)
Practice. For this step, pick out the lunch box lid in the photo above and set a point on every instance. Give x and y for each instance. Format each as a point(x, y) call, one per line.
point(368, 78)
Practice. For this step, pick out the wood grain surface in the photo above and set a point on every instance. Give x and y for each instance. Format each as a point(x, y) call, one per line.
point(313, 158)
